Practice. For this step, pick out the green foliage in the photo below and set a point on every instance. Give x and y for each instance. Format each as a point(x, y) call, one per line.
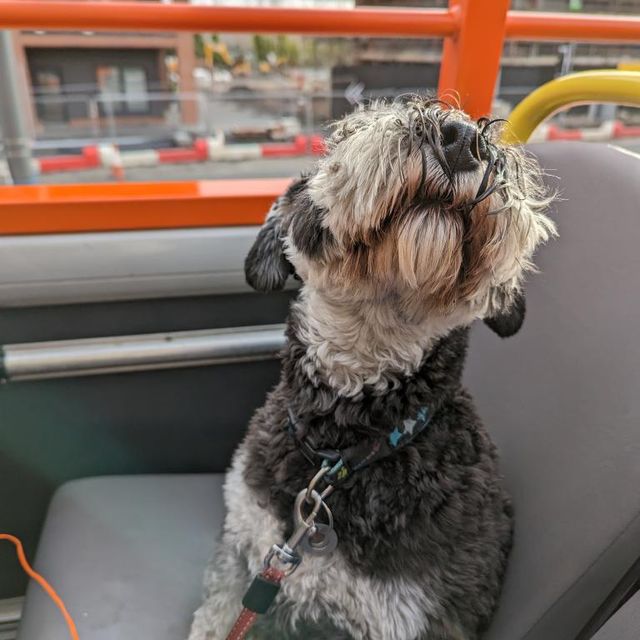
point(285, 49)
point(198, 45)
point(326, 52)
point(262, 47)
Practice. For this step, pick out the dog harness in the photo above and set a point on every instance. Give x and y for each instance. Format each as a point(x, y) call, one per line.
point(343, 463)
point(337, 466)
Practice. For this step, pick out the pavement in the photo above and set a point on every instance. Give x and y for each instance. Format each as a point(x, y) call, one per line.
point(263, 168)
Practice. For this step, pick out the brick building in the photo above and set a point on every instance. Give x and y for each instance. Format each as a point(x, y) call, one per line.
point(74, 79)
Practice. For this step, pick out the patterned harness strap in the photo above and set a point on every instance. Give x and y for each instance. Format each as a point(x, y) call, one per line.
point(343, 463)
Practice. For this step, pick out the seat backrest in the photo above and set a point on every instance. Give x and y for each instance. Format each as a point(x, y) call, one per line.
point(561, 399)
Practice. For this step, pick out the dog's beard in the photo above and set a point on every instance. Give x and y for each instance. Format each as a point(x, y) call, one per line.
point(427, 256)
point(407, 227)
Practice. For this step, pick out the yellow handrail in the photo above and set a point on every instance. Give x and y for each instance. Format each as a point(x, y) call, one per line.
point(620, 87)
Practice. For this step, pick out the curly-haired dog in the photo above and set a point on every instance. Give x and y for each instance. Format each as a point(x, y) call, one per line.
point(416, 222)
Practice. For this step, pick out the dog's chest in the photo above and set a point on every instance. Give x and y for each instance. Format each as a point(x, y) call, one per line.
point(324, 588)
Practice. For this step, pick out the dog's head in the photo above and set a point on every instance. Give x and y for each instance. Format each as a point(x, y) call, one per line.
point(416, 203)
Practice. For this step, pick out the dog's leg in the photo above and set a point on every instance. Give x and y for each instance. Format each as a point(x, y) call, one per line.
point(226, 580)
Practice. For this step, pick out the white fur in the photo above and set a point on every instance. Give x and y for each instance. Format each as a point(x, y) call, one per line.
point(321, 588)
point(355, 343)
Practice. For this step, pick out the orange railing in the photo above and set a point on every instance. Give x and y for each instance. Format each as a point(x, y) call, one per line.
point(474, 32)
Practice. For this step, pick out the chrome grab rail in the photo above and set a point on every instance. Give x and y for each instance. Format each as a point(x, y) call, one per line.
point(98, 356)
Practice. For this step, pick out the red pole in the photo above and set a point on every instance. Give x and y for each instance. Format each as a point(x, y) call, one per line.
point(471, 59)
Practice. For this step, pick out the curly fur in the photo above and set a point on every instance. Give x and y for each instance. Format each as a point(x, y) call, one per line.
point(398, 253)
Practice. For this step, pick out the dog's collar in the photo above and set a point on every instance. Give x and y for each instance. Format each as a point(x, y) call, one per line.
point(343, 463)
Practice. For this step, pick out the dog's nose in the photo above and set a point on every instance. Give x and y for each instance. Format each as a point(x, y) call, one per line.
point(462, 146)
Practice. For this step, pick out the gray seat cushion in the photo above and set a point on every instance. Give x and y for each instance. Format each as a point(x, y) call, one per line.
point(127, 556)
point(560, 399)
point(624, 624)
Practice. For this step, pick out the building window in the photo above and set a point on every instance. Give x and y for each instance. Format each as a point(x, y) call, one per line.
point(123, 90)
point(49, 99)
point(134, 81)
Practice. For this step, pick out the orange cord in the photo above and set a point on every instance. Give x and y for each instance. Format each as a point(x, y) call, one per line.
point(49, 590)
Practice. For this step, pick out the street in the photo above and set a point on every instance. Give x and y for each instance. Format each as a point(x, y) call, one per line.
point(264, 168)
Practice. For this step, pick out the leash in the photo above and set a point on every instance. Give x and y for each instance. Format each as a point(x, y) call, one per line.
point(256, 601)
point(283, 559)
point(312, 537)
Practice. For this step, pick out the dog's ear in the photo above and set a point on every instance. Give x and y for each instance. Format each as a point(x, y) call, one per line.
point(308, 234)
point(266, 267)
point(508, 317)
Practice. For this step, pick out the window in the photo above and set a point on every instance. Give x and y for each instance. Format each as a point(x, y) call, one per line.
point(50, 104)
point(123, 90)
point(135, 89)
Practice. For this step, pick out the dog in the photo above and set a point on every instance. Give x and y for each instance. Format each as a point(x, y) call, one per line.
point(415, 223)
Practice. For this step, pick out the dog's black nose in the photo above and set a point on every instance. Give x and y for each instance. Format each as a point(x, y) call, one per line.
point(463, 147)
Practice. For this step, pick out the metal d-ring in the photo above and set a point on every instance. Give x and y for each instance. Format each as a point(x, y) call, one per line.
point(314, 481)
point(316, 499)
point(329, 514)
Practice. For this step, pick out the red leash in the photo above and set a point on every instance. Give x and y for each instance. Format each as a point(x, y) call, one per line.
point(269, 581)
point(266, 585)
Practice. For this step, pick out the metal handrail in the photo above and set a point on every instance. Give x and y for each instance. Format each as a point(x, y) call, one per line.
point(619, 87)
point(128, 206)
point(95, 356)
point(140, 16)
point(474, 32)
point(419, 23)
point(539, 25)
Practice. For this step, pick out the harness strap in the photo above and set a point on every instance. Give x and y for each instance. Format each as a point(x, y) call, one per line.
point(343, 463)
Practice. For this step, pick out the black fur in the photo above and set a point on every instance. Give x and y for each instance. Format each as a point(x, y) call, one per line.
point(307, 232)
point(509, 321)
point(435, 511)
point(266, 267)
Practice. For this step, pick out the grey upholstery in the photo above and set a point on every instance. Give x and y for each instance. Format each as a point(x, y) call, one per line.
point(126, 554)
point(561, 399)
point(624, 624)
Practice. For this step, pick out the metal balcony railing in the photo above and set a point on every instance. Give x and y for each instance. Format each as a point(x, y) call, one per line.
point(474, 32)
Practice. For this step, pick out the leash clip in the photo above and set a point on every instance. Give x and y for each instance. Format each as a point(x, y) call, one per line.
point(286, 553)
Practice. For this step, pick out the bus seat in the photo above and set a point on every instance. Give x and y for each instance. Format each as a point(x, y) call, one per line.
point(560, 398)
point(127, 555)
point(624, 624)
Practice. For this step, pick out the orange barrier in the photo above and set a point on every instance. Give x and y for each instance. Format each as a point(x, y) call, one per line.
point(471, 59)
point(534, 25)
point(474, 30)
point(474, 33)
point(143, 16)
point(418, 23)
point(135, 206)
